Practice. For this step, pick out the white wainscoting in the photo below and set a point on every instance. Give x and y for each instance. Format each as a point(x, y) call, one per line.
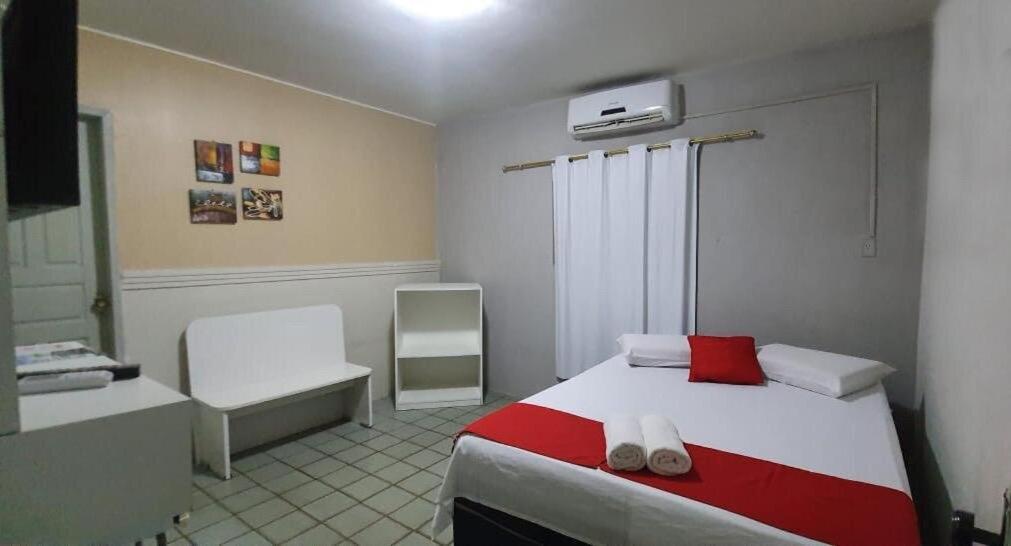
point(159, 304)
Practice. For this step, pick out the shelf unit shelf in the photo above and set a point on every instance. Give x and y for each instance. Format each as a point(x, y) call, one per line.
point(439, 344)
point(438, 333)
point(440, 398)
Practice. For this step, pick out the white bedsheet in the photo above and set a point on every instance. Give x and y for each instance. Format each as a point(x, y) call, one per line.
point(851, 437)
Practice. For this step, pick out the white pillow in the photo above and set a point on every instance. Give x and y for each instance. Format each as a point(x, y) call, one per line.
point(825, 373)
point(656, 350)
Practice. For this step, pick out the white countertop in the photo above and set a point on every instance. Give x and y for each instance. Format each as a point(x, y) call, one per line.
point(39, 411)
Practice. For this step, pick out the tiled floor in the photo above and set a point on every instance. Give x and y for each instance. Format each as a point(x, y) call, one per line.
point(343, 485)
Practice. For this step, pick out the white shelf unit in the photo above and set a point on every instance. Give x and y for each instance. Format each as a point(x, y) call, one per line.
point(439, 361)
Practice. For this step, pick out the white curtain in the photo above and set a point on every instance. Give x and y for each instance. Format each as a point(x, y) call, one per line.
point(621, 231)
point(671, 240)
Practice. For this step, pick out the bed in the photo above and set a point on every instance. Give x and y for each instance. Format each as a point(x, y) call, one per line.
point(851, 437)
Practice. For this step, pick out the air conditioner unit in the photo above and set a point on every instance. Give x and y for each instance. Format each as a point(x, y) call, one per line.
point(644, 106)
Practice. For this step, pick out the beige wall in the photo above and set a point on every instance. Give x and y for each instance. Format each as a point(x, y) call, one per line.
point(359, 184)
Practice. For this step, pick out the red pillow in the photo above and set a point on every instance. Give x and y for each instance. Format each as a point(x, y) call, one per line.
point(730, 360)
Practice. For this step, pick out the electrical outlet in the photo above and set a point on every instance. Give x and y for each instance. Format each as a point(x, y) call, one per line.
point(870, 248)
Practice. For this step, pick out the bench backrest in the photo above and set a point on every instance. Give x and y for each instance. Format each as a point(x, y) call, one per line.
point(234, 350)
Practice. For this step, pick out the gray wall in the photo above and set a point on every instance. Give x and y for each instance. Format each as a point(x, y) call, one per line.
point(9, 421)
point(782, 218)
point(965, 317)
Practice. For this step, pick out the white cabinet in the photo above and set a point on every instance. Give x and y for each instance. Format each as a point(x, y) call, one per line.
point(96, 466)
point(438, 345)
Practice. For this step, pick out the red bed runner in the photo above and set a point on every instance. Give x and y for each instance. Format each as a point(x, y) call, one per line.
point(544, 431)
point(816, 506)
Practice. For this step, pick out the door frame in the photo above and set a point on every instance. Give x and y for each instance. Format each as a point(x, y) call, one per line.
point(107, 177)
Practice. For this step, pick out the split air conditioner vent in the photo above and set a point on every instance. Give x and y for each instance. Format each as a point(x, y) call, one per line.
point(646, 105)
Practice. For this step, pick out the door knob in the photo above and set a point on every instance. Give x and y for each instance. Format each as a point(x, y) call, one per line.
point(100, 305)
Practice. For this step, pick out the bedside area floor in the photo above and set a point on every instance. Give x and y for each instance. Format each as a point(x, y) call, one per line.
point(343, 485)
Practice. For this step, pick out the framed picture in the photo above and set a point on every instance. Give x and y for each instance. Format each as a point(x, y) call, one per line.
point(259, 204)
point(213, 161)
point(212, 207)
point(255, 158)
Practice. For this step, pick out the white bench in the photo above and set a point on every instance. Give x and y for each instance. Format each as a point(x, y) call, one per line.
point(242, 364)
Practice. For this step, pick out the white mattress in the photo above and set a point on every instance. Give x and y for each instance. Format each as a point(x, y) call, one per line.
point(851, 437)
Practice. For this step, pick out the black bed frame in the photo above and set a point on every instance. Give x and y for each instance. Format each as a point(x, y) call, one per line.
point(476, 524)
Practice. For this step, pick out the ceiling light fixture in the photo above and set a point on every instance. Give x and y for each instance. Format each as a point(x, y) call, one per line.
point(441, 9)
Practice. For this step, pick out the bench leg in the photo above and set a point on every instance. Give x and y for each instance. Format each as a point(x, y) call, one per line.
point(212, 441)
point(358, 402)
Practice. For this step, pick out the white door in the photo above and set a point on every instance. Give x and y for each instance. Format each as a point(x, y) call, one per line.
point(53, 269)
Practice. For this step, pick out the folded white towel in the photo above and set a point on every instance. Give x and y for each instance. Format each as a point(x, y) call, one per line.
point(625, 447)
point(665, 453)
point(39, 384)
point(656, 350)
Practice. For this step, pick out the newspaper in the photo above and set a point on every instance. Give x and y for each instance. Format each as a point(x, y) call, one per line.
point(67, 356)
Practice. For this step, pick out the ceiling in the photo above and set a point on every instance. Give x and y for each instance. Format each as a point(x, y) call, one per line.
point(515, 52)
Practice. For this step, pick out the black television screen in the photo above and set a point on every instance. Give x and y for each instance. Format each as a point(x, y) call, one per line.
point(40, 105)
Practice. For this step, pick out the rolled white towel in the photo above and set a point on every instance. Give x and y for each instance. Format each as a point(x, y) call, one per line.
point(625, 447)
point(665, 453)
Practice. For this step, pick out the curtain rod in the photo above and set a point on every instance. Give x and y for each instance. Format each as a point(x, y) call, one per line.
point(711, 139)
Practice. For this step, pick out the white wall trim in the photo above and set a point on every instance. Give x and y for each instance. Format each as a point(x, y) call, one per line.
point(872, 89)
point(250, 73)
point(150, 279)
